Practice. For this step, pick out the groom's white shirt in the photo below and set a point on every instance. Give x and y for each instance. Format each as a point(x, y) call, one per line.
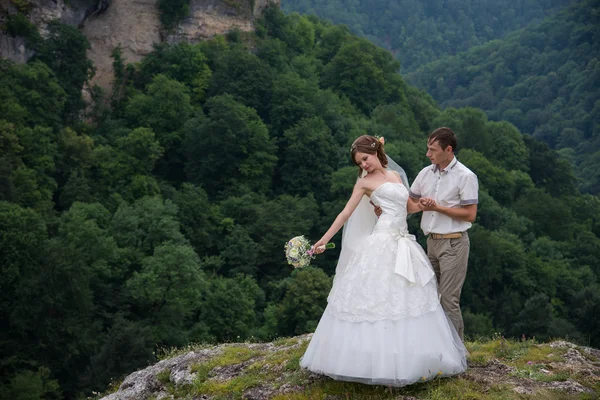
point(454, 186)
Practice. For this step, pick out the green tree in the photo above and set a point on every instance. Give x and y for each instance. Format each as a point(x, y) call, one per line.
point(504, 186)
point(268, 221)
point(500, 279)
point(274, 52)
point(167, 289)
point(470, 127)
point(30, 94)
point(304, 297)
point(142, 147)
point(396, 122)
point(509, 150)
point(550, 215)
point(239, 252)
point(306, 146)
point(229, 307)
point(199, 218)
point(9, 159)
point(245, 77)
point(22, 236)
point(32, 385)
point(492, 216)
point(230, 150)
point(537, 320)
point(332, 38)
point(293, 100)
point(73, 164)
point(183, 62)
point(145, 225)
point(589, 306)
point(299, 34)
point(173, 11)
point(549, 170)
point(364, 73)
point(165, 108)
point(64, 51)
point(126, 346)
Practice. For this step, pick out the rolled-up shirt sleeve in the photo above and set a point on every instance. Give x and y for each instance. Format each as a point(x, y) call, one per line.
point(469, 191)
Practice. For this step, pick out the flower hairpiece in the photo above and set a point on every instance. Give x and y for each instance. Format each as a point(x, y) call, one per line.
point(380, 139)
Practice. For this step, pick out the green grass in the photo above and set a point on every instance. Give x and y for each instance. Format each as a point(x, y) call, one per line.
point(437, 389)
point(285, 342)
point(534, 372)
point(230, 355)
point(164, 376)
point(517, 353)
point(264, 370)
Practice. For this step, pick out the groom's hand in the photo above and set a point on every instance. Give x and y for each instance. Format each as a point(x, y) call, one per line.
point(427, 204)
point(376, 208)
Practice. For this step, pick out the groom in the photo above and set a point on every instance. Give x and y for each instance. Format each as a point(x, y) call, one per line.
point(447, 193)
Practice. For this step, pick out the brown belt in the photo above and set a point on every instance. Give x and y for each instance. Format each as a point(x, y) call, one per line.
point(454, 235)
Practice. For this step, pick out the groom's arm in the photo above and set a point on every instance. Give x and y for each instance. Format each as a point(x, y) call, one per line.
point(464, 213)
point(468, 191)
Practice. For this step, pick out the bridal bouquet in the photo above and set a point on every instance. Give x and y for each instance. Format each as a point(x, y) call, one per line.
point(298, 251)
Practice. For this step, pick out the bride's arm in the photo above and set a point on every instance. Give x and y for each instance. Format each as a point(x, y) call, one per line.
point(357, 194)
point(412, 205)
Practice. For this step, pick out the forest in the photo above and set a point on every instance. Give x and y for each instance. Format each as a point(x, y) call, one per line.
point(157, 216)
point(544, 79)
point(418, 32)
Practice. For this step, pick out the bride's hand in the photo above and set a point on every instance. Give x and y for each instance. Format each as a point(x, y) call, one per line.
point(316, 250)
point(377, 209)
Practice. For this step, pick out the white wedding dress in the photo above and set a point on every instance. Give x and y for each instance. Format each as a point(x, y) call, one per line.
point(384, 323)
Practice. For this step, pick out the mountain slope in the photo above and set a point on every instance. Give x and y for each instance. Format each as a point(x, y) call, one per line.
point(419, 32)
point(544, 79)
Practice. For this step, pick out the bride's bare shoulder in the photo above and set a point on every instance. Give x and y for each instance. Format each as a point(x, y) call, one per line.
point(364, 183)
point(395, 175)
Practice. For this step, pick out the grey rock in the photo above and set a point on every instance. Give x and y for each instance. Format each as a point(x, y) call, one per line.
point(144, 383)
point(259, 393)
point(562, 344)
point(523, 390)
point(14, 49)
point(573, 356)
point(570, 386)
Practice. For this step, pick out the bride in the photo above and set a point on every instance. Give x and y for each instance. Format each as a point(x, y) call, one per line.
point(383, 323)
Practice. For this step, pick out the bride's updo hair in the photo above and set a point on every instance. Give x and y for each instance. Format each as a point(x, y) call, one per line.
point(370, 145)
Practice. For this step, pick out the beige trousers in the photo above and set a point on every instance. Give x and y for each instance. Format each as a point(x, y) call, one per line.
point(449, 258)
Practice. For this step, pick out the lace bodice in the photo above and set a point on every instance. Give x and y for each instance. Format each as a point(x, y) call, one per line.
point(392, 198)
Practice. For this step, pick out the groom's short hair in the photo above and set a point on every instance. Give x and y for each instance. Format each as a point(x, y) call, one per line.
point(444, 136)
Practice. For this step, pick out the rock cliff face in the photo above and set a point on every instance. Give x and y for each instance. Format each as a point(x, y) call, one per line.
point(41, 12)
point(133, 24)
